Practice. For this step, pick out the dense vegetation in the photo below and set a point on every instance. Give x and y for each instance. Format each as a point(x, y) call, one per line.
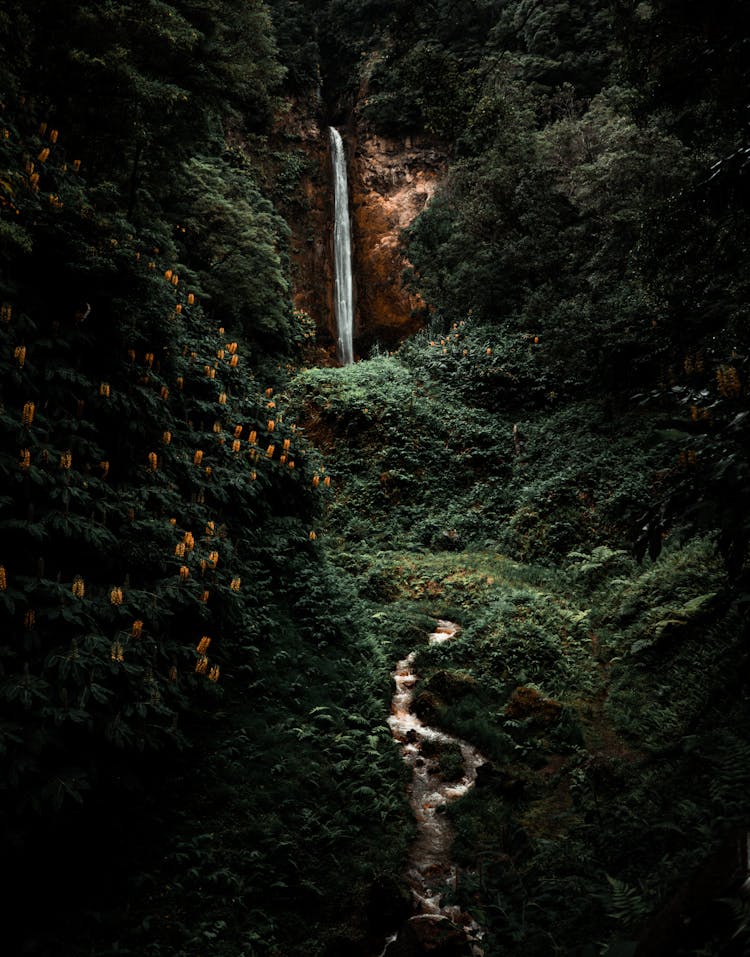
point(210, 555)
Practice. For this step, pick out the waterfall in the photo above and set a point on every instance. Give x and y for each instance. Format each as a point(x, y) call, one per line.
point(342, 251)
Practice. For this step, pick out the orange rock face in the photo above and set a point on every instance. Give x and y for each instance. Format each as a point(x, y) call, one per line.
point(391, 181)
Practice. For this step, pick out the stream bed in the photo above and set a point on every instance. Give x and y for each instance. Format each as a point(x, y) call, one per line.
point(431, 873)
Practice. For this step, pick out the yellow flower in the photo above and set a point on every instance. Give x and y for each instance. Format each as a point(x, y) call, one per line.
point(116, 652)
point(179, 550)
point(312, 536)
point(104, 389)
point(235, 584)
point(19, 353)
point(213, 674)
point(78, 587)
point(66, 460)
point(201, 665)
point(166, 437)
point(115, 596)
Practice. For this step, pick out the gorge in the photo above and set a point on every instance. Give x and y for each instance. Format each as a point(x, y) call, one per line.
point(244, 576)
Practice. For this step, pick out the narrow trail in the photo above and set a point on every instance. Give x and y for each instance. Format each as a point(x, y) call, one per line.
point(431, 872)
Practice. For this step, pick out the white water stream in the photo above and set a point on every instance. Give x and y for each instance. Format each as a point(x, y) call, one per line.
point(431, 872)
point(342, 252)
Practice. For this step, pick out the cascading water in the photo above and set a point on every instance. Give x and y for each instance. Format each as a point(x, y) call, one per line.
point(342, 251)
point(431, 871)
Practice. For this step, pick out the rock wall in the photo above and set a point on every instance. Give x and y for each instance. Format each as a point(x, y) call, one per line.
point(391, 181)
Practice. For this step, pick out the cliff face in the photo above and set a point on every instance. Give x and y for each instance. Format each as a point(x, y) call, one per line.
point(391, 182)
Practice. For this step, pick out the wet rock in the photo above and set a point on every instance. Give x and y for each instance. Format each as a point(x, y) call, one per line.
point(427, 707)
point(528, 704)
point(429, 935)
point(450, 685)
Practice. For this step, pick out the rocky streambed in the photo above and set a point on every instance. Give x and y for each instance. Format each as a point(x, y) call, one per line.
point(436, 926)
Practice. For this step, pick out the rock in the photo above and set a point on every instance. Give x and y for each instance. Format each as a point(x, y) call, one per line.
point(528, 704)
point(499, 781)
point(429, 935)
point(450, 685)
point(427, 707)
point(391, 182)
